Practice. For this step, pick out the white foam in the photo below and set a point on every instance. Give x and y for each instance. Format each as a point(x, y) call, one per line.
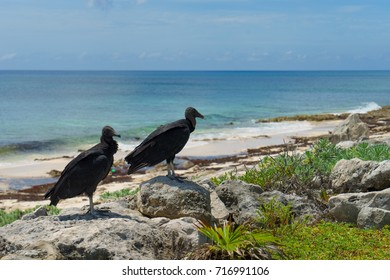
point(365, 108)
point(258, 130)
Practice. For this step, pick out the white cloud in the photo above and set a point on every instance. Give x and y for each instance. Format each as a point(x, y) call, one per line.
point(7, 56)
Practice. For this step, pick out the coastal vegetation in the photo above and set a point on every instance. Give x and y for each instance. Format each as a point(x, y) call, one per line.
point(9, 217)
point(296, 172)
point(276, 232)
point(278, 235)
point(231, 241)
point(119, 193)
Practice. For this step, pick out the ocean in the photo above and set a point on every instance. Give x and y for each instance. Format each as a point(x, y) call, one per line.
point(59, 112)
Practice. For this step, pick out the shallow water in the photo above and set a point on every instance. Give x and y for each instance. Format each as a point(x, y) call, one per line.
point(49, 113)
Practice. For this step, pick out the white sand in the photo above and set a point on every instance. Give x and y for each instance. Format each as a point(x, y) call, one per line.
point(211, 148)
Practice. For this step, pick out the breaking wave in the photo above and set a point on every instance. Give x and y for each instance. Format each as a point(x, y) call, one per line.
point(365, 108)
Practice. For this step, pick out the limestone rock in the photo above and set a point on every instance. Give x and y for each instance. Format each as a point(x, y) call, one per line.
point(346, 144)
point(240, 199)
point(351, 129)
point(218, 209)
point(120, 233)
point(163, 197)
point(41, 211)
point(364, 209)
point(301, 206)
point(356, 175)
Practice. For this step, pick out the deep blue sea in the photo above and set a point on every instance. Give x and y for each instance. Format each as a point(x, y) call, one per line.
point(63, 111)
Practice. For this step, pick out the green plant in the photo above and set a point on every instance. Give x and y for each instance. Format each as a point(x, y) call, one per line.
point(274, 215)
point(9, 217)
point(231, 241)
point(52, 210)
point(278, 218)
point(224, 177)
point(337, 241)
point(119, 193)
point(296, 172)
point(324, 240)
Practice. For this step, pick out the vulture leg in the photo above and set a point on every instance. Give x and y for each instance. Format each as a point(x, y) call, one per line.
point(171, 172)
point(91, 210)
point(169, 169)
point(96, 212)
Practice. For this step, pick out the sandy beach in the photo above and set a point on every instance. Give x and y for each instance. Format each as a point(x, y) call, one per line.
point(205, 150)
point(199, 159)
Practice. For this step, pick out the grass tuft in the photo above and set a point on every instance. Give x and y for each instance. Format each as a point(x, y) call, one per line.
point(9, 217)
point(119, 194)
point(298, 172)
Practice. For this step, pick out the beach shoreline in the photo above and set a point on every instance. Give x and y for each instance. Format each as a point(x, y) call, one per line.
point(41, 166)
point(206, 159)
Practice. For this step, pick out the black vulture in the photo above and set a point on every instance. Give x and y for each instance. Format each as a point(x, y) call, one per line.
point(83, 173)
point(163, 144)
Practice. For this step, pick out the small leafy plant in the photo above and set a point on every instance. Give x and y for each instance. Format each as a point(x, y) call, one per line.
point(324, 240)
point(297, 172)
point(9, 217)
point(230, 242)
point(119, 193)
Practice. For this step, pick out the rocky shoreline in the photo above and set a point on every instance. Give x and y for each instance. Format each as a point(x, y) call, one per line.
point(377, 121)
point(158, 222)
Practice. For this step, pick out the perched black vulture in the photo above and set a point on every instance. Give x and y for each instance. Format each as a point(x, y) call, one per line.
point(163, 144)
point(83, 173)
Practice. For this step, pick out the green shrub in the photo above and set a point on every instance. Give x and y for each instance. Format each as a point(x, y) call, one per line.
point(296, 172)
point(231, 242)
point(274, 215)
point(224, 177)
point(324, 240)
point(337, 241)
point(9, 217)
point(119, 193)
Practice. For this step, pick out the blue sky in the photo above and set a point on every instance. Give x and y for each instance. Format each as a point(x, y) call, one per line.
point(194, 35)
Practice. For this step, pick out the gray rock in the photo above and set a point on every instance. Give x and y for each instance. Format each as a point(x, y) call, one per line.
point(301, 206)
point(163, 197)
point(120, 233)
point(346, 144)
point(218, 209)
point(378, 178)
point(373, 217)
point(38, 250)
point(353, 208)
point(351, 129)
point(240, 199)
point(41, 211)
point(356, 175)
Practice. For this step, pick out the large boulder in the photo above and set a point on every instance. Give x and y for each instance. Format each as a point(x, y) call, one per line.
point(351, 129)
point(356, 175)
point(120, 233)
point(240, 199)
point(163, 197)
point(364, 209)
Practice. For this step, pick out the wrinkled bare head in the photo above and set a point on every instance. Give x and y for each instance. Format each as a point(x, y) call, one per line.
point(191, 114)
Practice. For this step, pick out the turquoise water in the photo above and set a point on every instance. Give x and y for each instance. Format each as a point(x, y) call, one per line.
point(59, 111)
